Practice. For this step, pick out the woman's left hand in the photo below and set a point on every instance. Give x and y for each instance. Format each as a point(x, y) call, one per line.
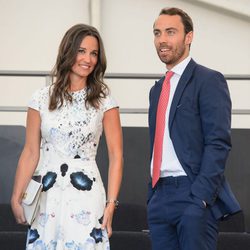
point(108, 217)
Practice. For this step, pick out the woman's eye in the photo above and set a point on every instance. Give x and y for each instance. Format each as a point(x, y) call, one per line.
point(81, 51)
point(95, 54)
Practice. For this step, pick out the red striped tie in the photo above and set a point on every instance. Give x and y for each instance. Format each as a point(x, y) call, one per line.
point(160, 126)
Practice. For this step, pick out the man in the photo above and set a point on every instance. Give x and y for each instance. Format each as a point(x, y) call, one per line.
point(190, 142)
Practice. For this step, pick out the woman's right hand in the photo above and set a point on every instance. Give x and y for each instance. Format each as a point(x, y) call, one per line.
point(18, 212)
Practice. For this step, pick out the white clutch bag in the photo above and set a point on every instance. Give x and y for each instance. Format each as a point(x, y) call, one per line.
point(30, 200)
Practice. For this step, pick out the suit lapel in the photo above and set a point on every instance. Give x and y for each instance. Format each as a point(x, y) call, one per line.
point(156, 96)
point(187, 74)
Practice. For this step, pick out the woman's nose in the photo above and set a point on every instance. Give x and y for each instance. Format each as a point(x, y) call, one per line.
point(87, 57)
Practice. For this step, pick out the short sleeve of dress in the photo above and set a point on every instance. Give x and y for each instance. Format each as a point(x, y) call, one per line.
point(37, 99)
point(109, 103)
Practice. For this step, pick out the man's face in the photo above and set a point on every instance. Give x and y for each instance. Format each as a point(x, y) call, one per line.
point(171, 42)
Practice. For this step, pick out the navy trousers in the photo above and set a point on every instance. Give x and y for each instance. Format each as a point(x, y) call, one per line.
point(177, 220)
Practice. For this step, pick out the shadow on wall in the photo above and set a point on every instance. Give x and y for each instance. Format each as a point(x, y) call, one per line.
point(11, 144)
point(136, 158)
point(136, 164)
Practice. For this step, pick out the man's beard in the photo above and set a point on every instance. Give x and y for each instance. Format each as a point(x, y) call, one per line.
point(173, 58)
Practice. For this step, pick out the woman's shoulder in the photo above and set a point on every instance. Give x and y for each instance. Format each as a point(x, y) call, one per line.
point(41, 92)
point(108, 101)
point(39, 98)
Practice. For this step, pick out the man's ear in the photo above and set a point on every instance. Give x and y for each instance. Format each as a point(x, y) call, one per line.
point(189, 38)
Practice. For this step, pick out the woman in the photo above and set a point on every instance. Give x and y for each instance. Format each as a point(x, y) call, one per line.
point(67, 119)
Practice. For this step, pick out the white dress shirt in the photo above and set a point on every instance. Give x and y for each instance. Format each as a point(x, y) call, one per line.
point(170, 165)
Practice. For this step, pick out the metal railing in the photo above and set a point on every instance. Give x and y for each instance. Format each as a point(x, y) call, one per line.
point(24, 73)
point(140, 76)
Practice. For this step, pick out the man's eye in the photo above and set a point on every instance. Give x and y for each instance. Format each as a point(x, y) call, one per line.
point(156, 33)
point(171, 32)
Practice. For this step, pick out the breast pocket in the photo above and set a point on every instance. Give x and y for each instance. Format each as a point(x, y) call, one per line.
point(189, 106)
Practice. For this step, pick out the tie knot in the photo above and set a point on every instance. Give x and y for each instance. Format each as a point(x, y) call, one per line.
point(169, 74)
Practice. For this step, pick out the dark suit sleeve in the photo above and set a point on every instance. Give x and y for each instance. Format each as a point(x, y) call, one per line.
point(215, 114)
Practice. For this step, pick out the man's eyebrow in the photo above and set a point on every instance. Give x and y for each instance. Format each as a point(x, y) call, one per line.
point(155, 29)
point(170, 28)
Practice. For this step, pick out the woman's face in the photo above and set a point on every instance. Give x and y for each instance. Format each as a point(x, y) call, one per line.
point(86, 58)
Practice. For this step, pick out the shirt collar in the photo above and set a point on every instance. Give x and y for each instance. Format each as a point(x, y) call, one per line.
point(179, 68)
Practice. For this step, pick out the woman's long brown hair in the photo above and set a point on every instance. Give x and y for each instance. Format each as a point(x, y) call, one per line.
point(68, 49)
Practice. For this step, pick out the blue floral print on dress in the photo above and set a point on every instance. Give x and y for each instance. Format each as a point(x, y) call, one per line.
point(81, 181)
point(96, 234)
point(33, 235)
point(48, 180)
point(83, 217)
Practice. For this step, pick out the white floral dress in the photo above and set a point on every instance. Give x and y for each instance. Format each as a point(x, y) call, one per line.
point(73, 197)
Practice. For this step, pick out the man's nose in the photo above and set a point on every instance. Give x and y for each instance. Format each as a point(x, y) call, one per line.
point(163, 38)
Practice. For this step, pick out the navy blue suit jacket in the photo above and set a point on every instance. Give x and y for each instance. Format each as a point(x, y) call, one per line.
point(200, 129)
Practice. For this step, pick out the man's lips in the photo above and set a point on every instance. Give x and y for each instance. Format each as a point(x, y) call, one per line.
point(164, 50)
